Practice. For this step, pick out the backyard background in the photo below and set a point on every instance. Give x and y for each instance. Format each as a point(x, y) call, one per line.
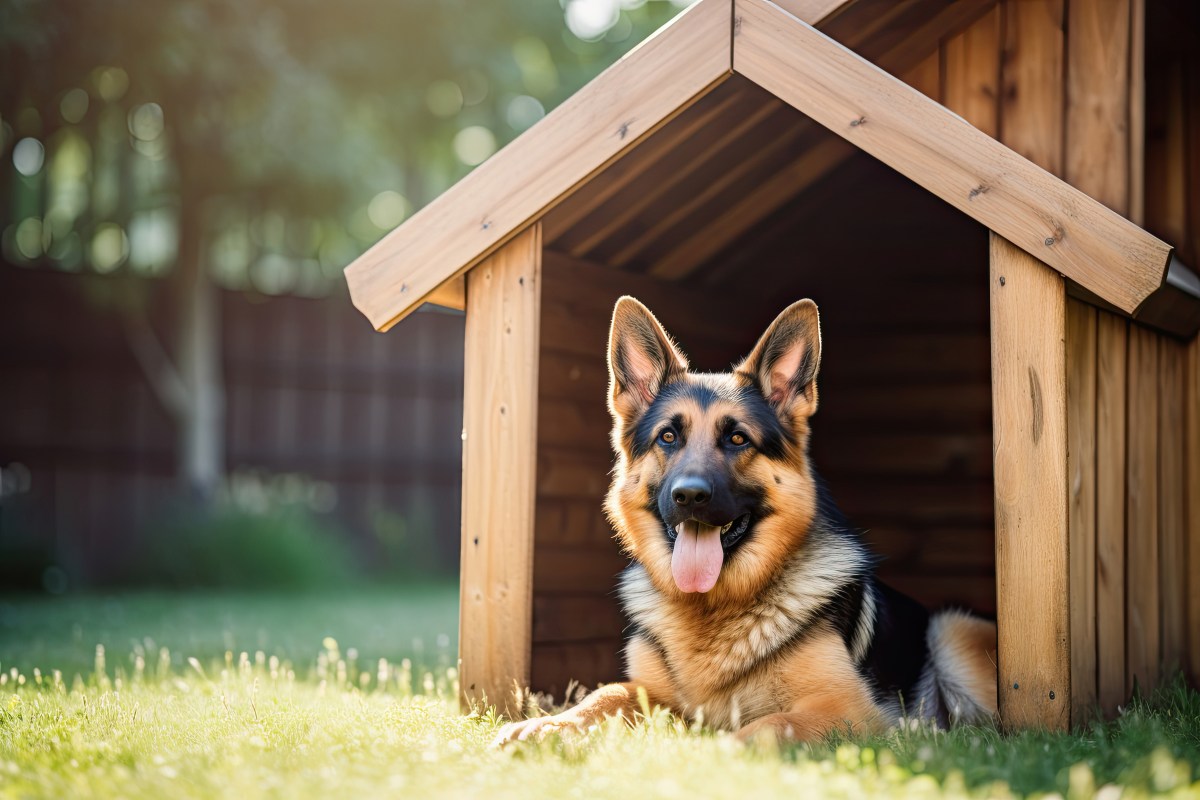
point(187, 397)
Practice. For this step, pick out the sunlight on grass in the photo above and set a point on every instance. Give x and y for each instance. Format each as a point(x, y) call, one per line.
point(150, 722)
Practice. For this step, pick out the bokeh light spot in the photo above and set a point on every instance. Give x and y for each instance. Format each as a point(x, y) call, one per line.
point(273, 274)
point(473, 145)
point(475, 87)
point(146, 122)
point(110, 247)
point(591, 19)
point(28, 238)
point(538, 72)
point(444, 98)
point(387, 209)
point(523, 111)
point(74, 105)
point(111, 82)
point(28, 156)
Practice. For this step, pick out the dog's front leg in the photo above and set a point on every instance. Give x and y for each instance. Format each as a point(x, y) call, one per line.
point(613, 700)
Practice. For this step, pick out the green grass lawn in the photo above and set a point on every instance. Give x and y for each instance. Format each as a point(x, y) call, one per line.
point(304, 720)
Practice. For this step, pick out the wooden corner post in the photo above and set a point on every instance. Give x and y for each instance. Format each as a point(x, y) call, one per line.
point(1029, 435)
point(503, 306)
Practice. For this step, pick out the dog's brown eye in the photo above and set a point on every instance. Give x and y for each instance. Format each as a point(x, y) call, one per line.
point(738, 439)
point(667, 437)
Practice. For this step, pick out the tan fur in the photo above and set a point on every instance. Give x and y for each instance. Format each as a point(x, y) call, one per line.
point(964, 651)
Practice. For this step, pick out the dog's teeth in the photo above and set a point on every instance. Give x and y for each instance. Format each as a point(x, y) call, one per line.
point(725, 529)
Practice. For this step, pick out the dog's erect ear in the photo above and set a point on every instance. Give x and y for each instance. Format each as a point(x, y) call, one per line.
point(785, 361)
point(641, 359)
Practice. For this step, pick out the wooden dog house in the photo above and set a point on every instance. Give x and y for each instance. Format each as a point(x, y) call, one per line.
point(1011, 376)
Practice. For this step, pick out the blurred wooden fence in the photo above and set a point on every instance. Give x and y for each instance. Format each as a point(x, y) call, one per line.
point(89, 452)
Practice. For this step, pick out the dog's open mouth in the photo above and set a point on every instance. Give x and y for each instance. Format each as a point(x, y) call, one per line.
point(699, 551)
point(731, 532)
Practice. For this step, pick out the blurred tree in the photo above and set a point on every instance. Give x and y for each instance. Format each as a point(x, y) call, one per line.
point(260, 145)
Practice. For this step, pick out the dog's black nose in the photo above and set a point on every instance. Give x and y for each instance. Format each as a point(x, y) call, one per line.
point(691, 490)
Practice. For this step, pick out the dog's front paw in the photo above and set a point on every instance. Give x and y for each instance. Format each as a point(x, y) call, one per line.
point(537, 728)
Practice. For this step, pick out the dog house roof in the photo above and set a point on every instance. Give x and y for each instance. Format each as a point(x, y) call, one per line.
point(786, 49)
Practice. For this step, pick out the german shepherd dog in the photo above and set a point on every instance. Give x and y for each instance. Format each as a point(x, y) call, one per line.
point(752, 603)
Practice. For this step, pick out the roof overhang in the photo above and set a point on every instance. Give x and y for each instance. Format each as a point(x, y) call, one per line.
point(1099, 250)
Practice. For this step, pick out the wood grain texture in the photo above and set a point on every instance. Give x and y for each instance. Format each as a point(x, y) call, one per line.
point(1171, 478)
point(1029, 400)
point(1111, 377)
point(499, 432)
point(1047, 218)
point(1142, 639)
point(1137, 111)
point(1192, 508)
point(651, 153)
point(1098, 161)
point(1032, 81)
point(632, 98)
point(1081, 514)
point(1098, 68)
point(971, 73)
point(451, 294)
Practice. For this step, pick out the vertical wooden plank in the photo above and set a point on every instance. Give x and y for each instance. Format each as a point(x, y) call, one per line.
point(1141, 525)
point(499, 464)
point(1031, 545)
point(1172, 556)
point(1098, 157)
point(1032, 89)
point(971, 73)
point(1192, 509)
point(1137, 111)
point(1166, 157)
point(1111, 378)
point(1098, 50)
point(1081, 514)
point(1029, 429)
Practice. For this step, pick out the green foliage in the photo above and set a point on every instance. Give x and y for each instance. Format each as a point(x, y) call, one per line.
point(229, 547)
point(287, 136)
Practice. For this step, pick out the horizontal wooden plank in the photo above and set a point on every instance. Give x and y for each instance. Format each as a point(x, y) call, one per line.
point(927, 407)
point(573, 523)
point(632, 98)
point(914, 500)
point(576, 618)
point(576, 570)
point(583, 665)
point(569, 472)
point(975, 592)
point(849, 453)
point(940, 151)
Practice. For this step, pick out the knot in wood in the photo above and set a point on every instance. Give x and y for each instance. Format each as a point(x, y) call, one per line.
point(854, 123)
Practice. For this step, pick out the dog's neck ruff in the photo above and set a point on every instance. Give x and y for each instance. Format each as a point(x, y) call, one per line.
point(740, 639)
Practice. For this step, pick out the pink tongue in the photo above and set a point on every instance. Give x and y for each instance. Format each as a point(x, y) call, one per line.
point(696, 562)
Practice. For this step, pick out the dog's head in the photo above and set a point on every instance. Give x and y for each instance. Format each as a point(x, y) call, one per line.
point(712, 489)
